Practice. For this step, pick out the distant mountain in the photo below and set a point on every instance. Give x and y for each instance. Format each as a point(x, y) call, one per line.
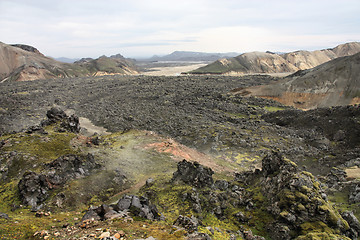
point(22, 63)
point(192, 56)
point(333, 83)
point(258, 62)
point(108, 65)
point(253, 62)
point(67, 60)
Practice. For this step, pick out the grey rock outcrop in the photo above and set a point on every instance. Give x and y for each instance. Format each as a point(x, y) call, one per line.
point(193, 174)
point(354, 231)
point(67, 123)
point(34, 187)
point(190, 224)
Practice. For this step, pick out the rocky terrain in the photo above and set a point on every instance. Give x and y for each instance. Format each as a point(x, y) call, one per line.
point(180, 158)
point(22, 63)
point(269, 62)
point(334, 83)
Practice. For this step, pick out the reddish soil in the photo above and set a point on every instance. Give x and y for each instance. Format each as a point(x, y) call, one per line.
point(179, 152)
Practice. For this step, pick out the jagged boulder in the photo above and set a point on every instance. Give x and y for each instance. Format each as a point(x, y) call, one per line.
point(296, 199)
point(67, 123)
point(33, 189)
point(70, 166)
point(190, 224)
point(194, 174)
point(354, 231)
point(55, 114)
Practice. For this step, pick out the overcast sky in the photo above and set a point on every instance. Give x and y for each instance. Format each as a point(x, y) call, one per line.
point(136, 28)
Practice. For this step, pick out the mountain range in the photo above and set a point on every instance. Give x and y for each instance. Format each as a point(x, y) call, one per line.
point(22, 63)
point(268, 62)
point(192, 56)
point(333, 83)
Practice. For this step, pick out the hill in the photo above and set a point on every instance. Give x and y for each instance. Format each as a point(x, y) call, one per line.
point(22, 63)
point(333, 83)
point(253, 62)
point(256, 62)
point(191, 56)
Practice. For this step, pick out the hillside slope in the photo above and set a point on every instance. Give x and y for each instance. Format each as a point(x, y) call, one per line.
point(23, 63)
point(259, 62)
point(331, 84)
point(253, 62)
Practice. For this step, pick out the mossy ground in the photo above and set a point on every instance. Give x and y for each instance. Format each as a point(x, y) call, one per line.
point(43, 146)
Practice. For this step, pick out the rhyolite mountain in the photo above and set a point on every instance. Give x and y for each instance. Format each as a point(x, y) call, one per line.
point(334, 83)
point(22, 63)
point(261, 62)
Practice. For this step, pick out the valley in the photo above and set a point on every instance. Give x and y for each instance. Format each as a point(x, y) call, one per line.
point(147, 126)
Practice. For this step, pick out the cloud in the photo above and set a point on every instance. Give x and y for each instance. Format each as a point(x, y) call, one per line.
point(84, 28)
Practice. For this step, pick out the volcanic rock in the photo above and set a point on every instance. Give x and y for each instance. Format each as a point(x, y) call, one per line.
point(67, 123)
point(34, 187)
point(4, 215)
point(354, 231)
point(190, 224)
point(193, 174)
point(138, 206)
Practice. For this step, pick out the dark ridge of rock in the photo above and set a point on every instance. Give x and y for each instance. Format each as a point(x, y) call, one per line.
point(34, 187)
point(193, 174)
point(28, 48)
point(338, 124)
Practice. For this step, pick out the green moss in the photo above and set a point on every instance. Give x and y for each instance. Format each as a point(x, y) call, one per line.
point(45, 147)
point(273, 109)
point(284, 214)
point(168, 198)
point(212, 221)
point(9, 195)
point(315, 227)
point(302, 197)
point(322, 236)
point(301, 207)
point(306, 190)
point(309, 174)
point(333, 217)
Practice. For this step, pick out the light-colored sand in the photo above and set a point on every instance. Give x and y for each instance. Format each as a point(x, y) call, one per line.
point(353, 173)
point(172, 71)
point(88, 128)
